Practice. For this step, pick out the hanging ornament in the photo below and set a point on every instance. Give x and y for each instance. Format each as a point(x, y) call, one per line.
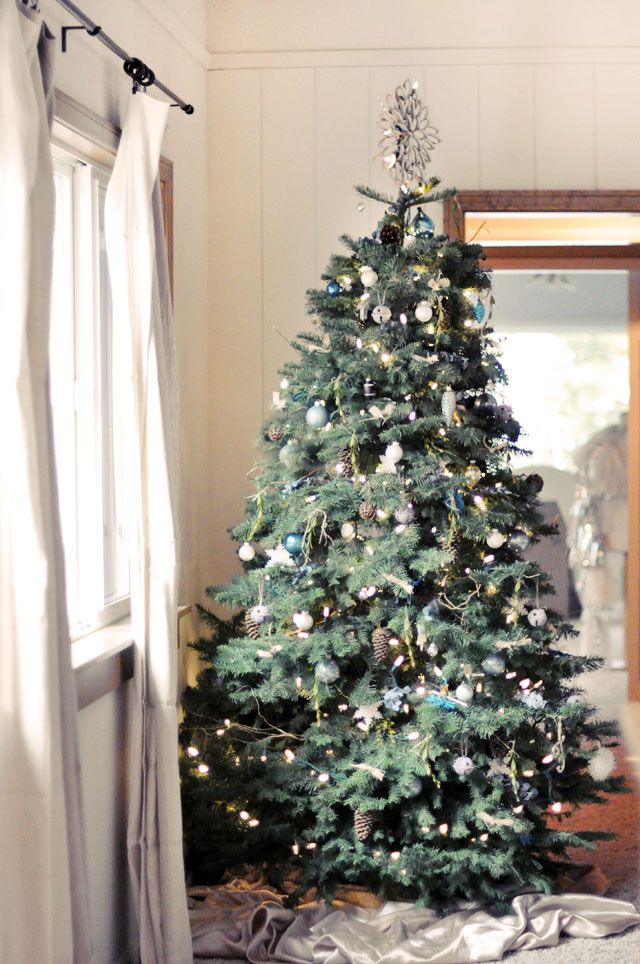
point(485, 404)
point(327, 671)
point(431, 610)
point(284, 384)
point(479, 311)
point(404, 514)
point(369, 389)
point(367, 713)
point(448, 404)
point(344, 465)
point(422, 225)
point(415, 788)
point(423, 311)
point(303, 621)
point(251, 627)
point(317, 416)
point(293, 543)
point(495, 539)
point(518, 540)
point(347, 530)
point(602, 765)
point(246, 552)
point(473, 473)
point(463, 765)
point(259, 614)
point(504, 411)
point(286, 452)
point(537, 617)
point(432, 649)
point(464, 692)
point(367, 511)
point(390, 233)
point(368, 277)
point(279, 557)
point(493, 664)
point(362, 823)
point(395, 697)
point(275, 433)
point(393, 452)
point(333, 289)
point(380, 314)
point(380, 642)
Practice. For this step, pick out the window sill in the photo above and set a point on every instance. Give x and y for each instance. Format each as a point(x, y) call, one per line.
point(102, 661)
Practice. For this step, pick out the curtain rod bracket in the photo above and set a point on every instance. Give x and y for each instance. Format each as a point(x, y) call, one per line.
point(93, 32)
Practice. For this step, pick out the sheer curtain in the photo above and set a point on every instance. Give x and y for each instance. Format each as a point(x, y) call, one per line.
point(146, 389)
point(44, 912)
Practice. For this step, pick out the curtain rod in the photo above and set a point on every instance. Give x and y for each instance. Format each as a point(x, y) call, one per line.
point(141, 75)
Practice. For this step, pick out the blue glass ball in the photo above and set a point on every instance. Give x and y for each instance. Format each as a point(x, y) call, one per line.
point(518, 540)
point(431, 610)
point(493, 664)
point(327, 671)
point(422, 225)
point(317, 416)
point(333, 289)
point(293, 543)
point(479, 310)
point(415, 788)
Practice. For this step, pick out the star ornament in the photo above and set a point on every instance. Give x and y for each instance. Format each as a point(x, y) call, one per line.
point(408, 136)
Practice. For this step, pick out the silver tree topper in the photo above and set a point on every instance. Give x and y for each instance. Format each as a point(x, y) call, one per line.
point(407, 135)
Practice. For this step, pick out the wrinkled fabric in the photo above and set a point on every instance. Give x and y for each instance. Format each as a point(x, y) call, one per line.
point(240, 920)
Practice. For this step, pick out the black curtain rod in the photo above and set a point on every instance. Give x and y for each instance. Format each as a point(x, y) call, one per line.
point(141, 75)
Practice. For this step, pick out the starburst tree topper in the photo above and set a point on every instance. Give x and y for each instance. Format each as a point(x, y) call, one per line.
point(407, 135)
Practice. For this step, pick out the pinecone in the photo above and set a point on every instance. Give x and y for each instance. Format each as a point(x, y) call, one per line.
point(367, 510)
point(363, 823)
point(344, 459)
point(275, 433)
point(251, 627)
point(456, 540)
point(380, 639)
point(390, 234)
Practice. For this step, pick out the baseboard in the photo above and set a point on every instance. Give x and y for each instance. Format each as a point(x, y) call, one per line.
point(630, 730)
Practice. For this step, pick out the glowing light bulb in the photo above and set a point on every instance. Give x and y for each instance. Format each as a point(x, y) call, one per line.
point(395, 855)
point(312, 845)
point(263, 758)
point(193, 751)
point(414, 735)
point(444, 828)
point(400, 528)
point(295, 849)
point(518, 809)
point(323, 778)
point(203, 768)
point(548, 758)
point(420, 690)
point(289, 756)
point(412, 416)
point(220, 732)
point(484, 836)
point(556, 807)
point(398, 661)
point(528, 773)
point(298, 682)
point(244, 815)
point(525, 684)
point(326, 612)
point(425, 829)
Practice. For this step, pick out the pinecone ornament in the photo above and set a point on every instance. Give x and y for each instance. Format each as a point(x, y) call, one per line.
point(275, 433)
point(367, 511)
point(456, 540)
point(344, 459)
point(363, 823)
point(390, 234)
point(380, 639)
point(251, 627)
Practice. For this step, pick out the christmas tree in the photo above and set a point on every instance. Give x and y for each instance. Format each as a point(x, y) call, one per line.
point(390, 705)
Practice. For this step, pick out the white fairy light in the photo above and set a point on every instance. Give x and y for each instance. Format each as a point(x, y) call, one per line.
point(193, 751)
point(203, 768)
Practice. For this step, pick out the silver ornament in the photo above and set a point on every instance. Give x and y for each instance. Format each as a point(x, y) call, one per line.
point(432, 649)
point(415, 788)
point(380, 314)
point(493, 664)
point(463, 765)
point(448, 404)
point(423, 311)
point(407, 134)
point(464, 692)
point(259, 614)
point(246, 552)
point(368, 277)
point(327, 671)
point(495, 539)
point(537, 617)
point(393, 452)
point(303, 621)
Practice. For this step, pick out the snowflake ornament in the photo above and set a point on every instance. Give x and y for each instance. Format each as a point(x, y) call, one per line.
point(407, 135)
point(368, 713)
point(279, 557)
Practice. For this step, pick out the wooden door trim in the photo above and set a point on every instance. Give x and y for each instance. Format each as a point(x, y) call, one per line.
point(581, 257)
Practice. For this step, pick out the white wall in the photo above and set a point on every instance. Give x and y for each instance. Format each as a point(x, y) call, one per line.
point(173, 45)
point(524, 97)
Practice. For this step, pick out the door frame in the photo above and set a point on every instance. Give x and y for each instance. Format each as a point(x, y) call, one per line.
point(594, 257)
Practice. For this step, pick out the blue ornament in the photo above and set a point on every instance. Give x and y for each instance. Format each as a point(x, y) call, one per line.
point(327, 671)
point(293, 543)
point(441, 701)
point(479, 311)
point(526, 791)
point(493, 664)
point(286, 451)
point(317, 416)
point(454, 501)
point(518, 540)
point(333, 289)
point(431, 610)
point(415, 788)
point(422, 225)
point(394, 698)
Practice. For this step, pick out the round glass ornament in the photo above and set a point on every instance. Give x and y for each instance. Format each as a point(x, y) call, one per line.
point(317, 416)
point(327, 671)
point(293, 543)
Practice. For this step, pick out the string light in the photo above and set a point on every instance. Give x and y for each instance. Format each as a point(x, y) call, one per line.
point(395, 855)
point(192, 751)
point(289, 756)
point(220, 732)
point(518, 809)
point(556, 807)
point(528, 773)
point(263, 758)
point(484, 836)
point(398, 661)
point(525, 684)
point(295, 849)
point(323, 778)
point(311, 846)
point(547, 759)
point(414, 735)
point(444, 828)
point(244, 815)
point(203, 768)
point(421, 690)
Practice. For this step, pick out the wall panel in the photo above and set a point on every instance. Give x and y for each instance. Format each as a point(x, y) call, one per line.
point(617, 107)
point(564, 126)
point(505, 115)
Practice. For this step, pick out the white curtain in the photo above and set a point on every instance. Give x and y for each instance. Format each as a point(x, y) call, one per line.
point(146, 388)
point(43, 910)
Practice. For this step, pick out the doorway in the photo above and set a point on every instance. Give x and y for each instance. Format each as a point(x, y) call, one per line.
point(586, 243)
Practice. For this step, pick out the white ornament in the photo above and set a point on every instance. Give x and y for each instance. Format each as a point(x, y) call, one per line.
point(602, 765)
point(463, 765)
point(537, 617)
point(495, 539)
point(423, 311)
point(393, 452)
point(464, 692)
point(432, 649)
point(448, 404)
point(367, 713)
point(304, 621)
point(386, 467)
point(246, 552)
point(260, 613)
point(347, 530)
point(284, 384)
point(368, 277)
point(381, 314)
point(279, 557)
point(404, 514)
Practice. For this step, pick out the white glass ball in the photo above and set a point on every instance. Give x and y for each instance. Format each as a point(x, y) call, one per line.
point(537, 617)
point(260, 613)
point(493, 664)
point(317, 416)
point(602, 765)
point(432, 649)
point(423, 311)
point(393, 452)
point(464, 692)
point(304, 621)
point(246, 552)
point(415, 787)
point(495, 539)
point(347, 530)
point(404, 514)
point(327, 671)
point(368, 277)
point(284, 384)
point(381, 314)
point(286, 451)
point(463, 765)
